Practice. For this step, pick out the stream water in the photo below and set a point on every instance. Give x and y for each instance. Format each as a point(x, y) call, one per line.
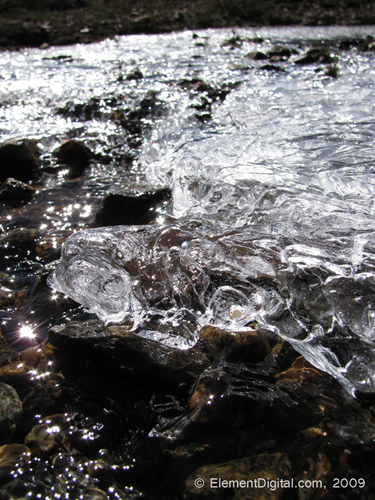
point(271, 171)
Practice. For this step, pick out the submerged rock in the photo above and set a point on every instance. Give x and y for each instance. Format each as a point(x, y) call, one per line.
point(21, 242)
point(16, 193)
point(118, 349)
point(239, 477)
point(19, 161)
point(247, 345)
point(11, 412)
point(132, 208)
point(213, 400)
point(75, 154)
point(316, 55)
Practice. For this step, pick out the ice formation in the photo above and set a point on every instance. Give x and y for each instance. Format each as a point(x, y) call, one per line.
point(273, 199)
point(169, 281)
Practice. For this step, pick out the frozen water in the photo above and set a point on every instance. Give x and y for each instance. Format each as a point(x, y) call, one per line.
point(169, 281)
point(273, 195)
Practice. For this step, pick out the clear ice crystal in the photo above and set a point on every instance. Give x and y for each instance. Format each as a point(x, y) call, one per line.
point(170, 281)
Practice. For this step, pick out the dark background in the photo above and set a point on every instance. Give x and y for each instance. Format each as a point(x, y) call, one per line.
point(58, 22)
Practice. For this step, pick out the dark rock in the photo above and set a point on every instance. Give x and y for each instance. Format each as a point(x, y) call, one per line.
point(19, 161)
point(136, 74)
point(332, 71)
point(16, 193)
point(74, 153)
point(20, 241)
point(234, 41)
point(363, 44)
point(38, 401)
point(11, 412)
point(133, 208)
point(10, 454)
point(315, 394)
point(241, 346)
point(23, 34)
point(272, 67)
point(121, 351)
point(193, 84)
point(257, 55)
point(273, 467)
point(280, 52)
point(320, 55)
point(212, 401)
point(134, 120)
point(45, 439)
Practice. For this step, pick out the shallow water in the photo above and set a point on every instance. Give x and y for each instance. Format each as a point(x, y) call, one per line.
point(271, 177)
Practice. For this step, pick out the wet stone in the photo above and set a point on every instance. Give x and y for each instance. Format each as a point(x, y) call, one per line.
point(11, 412)
point(247, 346)
point(236, 477)
point(257, 55)
point(315, 395)
point(212, 401)
point(16, 193)
point(39, 400)
point(132, 208)
point(281, 52)
point(272, 67)
point(19, 161)
point(74, 153)
point(20, 241)
point(42, 441)
point(10, 454)
point(136, 74)
point(320, 55)
point(119, 350)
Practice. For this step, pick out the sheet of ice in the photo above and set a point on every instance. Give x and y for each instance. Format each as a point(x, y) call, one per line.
point(169, 281)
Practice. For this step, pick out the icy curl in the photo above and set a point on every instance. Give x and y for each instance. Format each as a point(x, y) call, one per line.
point(170, 281)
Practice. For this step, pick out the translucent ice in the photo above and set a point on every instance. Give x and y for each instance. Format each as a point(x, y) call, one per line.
point(169, 281)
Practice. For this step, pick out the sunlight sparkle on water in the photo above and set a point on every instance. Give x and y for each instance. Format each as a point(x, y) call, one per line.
point(27, 331)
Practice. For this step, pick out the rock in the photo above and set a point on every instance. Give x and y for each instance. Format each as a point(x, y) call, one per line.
point(11, 412)
point(332, 71)
point(47, 438)
point(39, 401)
point(136, 74)
point(315, 395)
point(19, 161)
point(121, 351)
point(246, 346)
point(16, 193)
point(19, 242)
point(16, 373)
point(257, 55)
point(272, 67)
point(243, 478)
point(320, 55)
point(132, 208)
point(279, 53)
point(234, 41)
point(10, 454)
point(74, 153)
point(213, 400)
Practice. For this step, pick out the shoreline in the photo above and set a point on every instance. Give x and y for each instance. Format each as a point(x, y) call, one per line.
point(41, 27)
